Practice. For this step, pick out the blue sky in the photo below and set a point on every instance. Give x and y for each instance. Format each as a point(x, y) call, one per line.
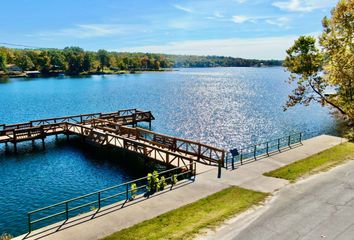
point(239, 28)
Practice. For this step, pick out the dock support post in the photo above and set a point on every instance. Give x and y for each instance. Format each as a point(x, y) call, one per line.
point(56, 137)
point(43, 143)
point(67, 136)
point(15, 147)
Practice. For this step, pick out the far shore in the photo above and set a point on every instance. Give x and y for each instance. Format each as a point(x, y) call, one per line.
point(53, 74)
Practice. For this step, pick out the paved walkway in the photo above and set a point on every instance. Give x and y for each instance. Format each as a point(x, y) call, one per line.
point(319, 207)
point(115, 217)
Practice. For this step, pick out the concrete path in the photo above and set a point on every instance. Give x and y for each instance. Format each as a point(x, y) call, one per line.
point(320, 207)
point(115, 217)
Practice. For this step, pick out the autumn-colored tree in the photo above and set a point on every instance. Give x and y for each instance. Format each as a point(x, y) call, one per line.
point(315, 70)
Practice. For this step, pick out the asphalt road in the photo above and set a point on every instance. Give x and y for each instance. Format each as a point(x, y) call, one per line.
point(320, 207)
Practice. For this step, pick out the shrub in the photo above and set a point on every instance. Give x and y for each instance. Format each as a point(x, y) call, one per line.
point(174, 179)
point(133, 190)
point(5, 236)
point(162, 183)
point(152, 182)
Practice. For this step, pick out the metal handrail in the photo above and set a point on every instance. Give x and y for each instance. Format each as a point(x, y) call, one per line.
point(253, 151)
point(191, 172)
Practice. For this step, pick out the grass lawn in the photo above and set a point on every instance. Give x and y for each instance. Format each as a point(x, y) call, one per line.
point(185, 222)
point(316, 163)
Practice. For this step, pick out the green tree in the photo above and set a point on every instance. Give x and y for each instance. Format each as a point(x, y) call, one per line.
point(103, 58)
point(315, 70)
point(2, 60)
point(24, 61)
point(58, 61)
point(74, 56)
point(44, 62)
point(88, 62)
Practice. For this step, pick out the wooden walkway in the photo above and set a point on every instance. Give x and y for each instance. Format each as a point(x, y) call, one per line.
point(109, 129)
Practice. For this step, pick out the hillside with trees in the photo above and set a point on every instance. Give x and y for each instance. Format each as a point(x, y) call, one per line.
point(74, 60)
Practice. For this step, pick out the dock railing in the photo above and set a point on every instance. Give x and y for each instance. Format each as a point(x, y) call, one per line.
point(123, 192)
point(80, 118)
point(238, 156)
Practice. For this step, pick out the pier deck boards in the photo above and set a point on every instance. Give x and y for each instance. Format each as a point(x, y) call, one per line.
point(109, 129)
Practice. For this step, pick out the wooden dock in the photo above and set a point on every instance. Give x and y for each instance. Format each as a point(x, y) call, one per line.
point(111, 129)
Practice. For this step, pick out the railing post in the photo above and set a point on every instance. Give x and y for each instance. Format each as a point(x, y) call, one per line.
point(289, 141)
point(241, 156)
point(223, 158)
point(191, 169)
point(301, 137)
point(219, 169)
point(279, 144)
point(127, 192)
point(29, 223)
point(199, 151)
point(233, 162)
point(99, 200)
point(267, 149)
point(67, 210)
point(254, 152)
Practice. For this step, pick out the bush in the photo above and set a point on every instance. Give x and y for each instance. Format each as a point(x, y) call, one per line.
point(174, 179)
point(5, 236)
point(152, 182)
point(133, 190)
point(162, 183)
point(350, 135)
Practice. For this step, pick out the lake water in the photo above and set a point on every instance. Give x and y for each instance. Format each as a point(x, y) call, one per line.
point(225, 107)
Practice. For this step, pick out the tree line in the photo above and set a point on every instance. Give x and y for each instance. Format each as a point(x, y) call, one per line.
point(74, 60)
point(219, 61)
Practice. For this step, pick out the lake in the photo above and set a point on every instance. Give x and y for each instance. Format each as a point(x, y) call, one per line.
point(225, 107)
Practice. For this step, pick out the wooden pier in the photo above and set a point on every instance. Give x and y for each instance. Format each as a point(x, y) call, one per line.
point(111, 129)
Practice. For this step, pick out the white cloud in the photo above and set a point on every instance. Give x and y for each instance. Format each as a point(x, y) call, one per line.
point(179, 7)
point(240, 1)
point(241, 19)
point(218, 14)
point(260, 48)
point(303, 5)
point(86, 31)
point(280, 21)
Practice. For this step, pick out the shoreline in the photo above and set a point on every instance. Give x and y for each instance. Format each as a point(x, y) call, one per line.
point(57, 74)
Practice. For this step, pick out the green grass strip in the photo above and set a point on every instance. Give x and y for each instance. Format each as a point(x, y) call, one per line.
point(185, 222)
point(315, 163)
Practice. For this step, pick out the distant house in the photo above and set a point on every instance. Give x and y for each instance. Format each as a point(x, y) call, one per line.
point(33, 73)
point(13, 68)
